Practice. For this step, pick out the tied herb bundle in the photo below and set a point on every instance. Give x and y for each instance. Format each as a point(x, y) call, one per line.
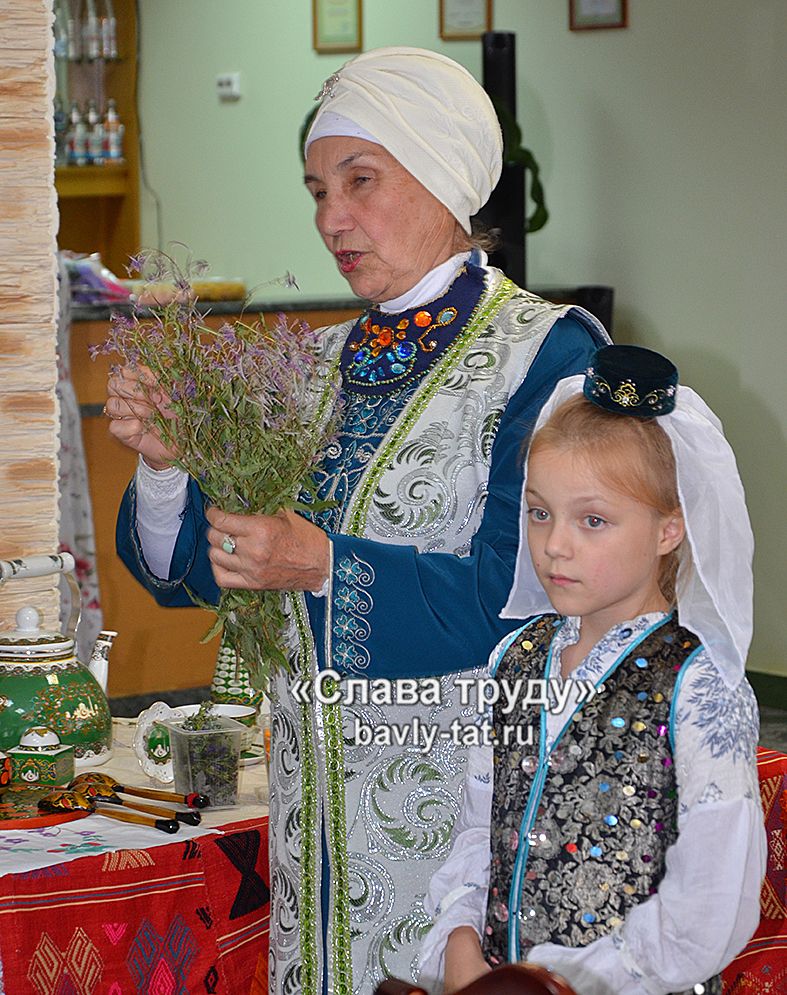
point(248, 415)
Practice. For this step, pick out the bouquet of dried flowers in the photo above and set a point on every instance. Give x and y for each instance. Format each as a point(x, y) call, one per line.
point(248, 416)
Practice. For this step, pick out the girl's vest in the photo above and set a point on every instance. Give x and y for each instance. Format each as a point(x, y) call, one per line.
point(580, 832)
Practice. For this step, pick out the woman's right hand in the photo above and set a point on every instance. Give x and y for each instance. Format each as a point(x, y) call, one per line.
point(132, 397)
point(464, 961)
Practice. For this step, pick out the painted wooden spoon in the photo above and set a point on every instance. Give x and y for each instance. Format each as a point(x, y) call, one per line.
point(102, 792)
point(70, 801)
point(193, 800)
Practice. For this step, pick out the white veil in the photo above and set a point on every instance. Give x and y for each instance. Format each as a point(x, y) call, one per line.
point(715, 584)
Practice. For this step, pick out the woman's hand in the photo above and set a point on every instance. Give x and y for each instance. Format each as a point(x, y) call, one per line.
point(281, 552)
point(132, 397)
point(464, 962)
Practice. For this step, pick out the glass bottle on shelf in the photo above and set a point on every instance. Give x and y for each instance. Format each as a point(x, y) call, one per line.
point(77, 137)
point(74, 30)
point(113, 132)
point(95, 135)
point(61, 133)
point(91, 32)
point(60, 27)
point(109, 44)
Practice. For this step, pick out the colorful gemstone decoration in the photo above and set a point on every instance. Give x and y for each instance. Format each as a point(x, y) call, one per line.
point(596, 851)
point(641, 662)
point(387, 351)
point(611, 820)
point(618, 722)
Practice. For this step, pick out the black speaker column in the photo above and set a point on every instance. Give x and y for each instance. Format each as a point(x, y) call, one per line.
point(505, 210)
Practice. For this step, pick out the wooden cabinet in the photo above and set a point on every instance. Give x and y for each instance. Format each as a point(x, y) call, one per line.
point(157, 649)
point(99, 205)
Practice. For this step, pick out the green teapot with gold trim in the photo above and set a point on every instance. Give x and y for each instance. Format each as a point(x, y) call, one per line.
point(42, 683)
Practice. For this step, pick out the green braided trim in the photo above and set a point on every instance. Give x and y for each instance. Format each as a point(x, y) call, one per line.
point(307, 903)
point(341, 939)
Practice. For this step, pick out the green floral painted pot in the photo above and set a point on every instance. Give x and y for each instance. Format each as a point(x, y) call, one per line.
point(43, 684)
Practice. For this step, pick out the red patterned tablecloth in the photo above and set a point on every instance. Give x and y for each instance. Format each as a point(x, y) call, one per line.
point(189, 916)
point(761, 969)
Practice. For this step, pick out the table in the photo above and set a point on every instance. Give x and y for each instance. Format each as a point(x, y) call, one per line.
point(94, 907)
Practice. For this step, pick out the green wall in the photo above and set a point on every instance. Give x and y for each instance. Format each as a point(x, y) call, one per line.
point(663, 150)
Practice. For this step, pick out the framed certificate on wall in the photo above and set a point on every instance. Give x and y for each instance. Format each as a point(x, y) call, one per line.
point(462, 19)
point(584, 15)
point(337, 25)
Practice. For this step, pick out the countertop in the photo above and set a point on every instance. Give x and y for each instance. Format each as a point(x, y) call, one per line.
point(595, 298)
point(103, 312)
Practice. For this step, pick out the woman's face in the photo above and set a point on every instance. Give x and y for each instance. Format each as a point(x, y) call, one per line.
point(384, 229)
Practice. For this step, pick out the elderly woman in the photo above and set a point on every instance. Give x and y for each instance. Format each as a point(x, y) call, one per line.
point(441, 376)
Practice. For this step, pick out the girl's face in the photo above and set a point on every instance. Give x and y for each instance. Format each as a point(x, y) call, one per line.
point(595, 550)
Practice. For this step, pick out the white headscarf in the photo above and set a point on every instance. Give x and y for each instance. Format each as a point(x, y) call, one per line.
point(715, 584)
point(428, 112)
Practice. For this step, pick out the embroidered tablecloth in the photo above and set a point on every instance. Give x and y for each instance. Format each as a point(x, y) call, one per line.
point(190, 916)
point(95, 907)
point(761, 969)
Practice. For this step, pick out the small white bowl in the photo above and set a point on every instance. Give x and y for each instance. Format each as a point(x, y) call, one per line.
point(245, 714)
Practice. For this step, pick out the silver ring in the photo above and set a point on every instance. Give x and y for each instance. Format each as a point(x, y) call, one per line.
point(229, 544)
point(111, 416)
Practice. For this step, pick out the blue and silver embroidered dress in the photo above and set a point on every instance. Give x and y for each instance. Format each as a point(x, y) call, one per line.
point(427, 477)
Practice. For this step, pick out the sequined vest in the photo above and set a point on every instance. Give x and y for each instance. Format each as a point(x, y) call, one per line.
point(579, 833)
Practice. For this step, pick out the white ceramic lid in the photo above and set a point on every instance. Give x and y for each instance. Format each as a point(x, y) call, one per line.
point(28, 642)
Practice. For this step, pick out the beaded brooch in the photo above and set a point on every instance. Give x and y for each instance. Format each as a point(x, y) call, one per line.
point(387, 350)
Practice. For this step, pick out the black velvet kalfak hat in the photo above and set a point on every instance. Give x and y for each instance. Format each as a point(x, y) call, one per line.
point(630, 380)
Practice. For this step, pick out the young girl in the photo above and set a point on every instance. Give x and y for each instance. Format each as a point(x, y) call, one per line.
point(627, 842)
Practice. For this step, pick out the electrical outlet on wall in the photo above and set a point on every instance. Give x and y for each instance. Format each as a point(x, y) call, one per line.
point(228, 86)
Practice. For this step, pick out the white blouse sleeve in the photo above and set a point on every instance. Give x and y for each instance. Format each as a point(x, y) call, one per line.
point(708, 902)
point(161, 498)
point(458, 890)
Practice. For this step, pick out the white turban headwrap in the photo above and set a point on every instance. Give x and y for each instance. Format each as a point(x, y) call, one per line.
point(428, 112)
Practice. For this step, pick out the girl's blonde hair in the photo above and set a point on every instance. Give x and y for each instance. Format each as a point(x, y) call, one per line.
point(634, 454)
